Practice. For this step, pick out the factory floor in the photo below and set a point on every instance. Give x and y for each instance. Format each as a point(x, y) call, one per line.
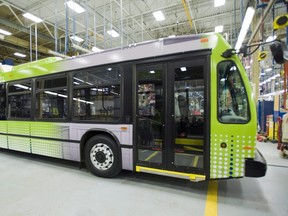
point(39, 186)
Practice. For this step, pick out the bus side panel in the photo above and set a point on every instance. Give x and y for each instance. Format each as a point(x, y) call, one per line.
point(42, 138)
point(60, 140)
point(230, 144)
point(122, 133)
point(3, 137)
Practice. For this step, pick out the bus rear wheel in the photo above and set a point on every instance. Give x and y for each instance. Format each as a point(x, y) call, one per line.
point(102, 156)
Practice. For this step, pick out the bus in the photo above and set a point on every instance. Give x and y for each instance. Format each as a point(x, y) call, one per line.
point(175, 107)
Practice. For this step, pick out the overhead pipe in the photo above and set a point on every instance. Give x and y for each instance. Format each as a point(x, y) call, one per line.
point(67, 27)
point(187, 13)
point(241, 10)
point(121, 22)
point(36, 43)
point(58, 54)
point(75, 46)
point(235, 29)
point(192, 17)
point(55, 27)
point(86, 23)
point(269, 6)
point(30, 44)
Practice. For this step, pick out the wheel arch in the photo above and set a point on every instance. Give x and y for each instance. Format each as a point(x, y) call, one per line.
point(94, 132)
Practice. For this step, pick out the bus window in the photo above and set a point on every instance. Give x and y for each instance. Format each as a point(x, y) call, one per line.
point(96, 94)
point(2, 101)
point(232, 97)
point(19, 100)
point(51, 98)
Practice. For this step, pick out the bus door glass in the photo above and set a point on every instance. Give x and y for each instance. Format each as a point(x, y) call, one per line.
point(150, 112)
point(187, 149)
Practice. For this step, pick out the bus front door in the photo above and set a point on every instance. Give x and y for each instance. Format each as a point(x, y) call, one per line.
point(150, 115)
point(170, 123)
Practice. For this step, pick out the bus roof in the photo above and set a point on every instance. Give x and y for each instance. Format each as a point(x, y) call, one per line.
point(149, 49)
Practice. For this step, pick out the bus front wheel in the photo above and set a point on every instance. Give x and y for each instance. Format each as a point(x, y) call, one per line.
point(102, 156)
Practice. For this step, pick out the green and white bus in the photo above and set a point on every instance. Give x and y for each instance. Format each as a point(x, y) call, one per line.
point(175, 107)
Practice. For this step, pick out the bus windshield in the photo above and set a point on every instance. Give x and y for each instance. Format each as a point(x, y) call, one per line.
point(232, 96)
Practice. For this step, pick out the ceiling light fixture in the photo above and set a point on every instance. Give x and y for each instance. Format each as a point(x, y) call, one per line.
point(245, 26)
point(96, 49)
point(76, 38)
point(5, 32)
point(218, 3)
point(113, 33)
point(183, 69)
point(75, 6)
point(171, 36)
point(158, 15)
point(219, 29)
point(32, 17)
point(20, 55)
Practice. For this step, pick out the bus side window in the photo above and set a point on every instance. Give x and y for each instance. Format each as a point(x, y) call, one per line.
point(2, 101)
point(51, 98)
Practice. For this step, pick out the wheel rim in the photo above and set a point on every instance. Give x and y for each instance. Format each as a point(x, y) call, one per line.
point(101, 156)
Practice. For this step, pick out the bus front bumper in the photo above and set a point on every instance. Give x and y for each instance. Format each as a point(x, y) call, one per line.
point(257, 166)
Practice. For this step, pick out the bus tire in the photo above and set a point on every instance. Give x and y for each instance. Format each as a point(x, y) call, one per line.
point(102, 156)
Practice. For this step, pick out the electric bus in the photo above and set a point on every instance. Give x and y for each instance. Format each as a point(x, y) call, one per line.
point(176, 107)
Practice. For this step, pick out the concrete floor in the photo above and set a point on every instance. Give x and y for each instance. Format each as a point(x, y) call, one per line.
point(37, 186)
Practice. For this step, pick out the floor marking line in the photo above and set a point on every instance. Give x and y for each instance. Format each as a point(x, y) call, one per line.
point(211, 208)
point(151, 156)
point(195, 161)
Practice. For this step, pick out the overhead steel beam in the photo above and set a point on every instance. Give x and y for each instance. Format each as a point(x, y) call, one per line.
point(125, 11)
point(24, 29)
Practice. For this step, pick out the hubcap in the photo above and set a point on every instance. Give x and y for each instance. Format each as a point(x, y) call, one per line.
point(101, 156)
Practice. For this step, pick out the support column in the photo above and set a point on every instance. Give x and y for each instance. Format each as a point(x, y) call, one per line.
point(255, 65)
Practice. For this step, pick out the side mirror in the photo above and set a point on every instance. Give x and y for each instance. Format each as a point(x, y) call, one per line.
point(278, 49)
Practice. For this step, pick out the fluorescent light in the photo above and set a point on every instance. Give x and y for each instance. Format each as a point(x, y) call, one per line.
point(96, 49)
point(152, 72)
point(5, 32)
point(271, 38)
point(76, 7)
point(51, 93)
point(268, 69)
point(32, 17)
point(218, 3)
point(183, 69)
point(246, 23)
point(158, 15)
point(21, 86)
point(19, 54)
point(218, 29)
point(171, 36)
point(113, 33)
point(76, 38)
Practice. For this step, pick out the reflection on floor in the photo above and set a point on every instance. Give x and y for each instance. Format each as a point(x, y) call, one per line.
point(180, 159)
